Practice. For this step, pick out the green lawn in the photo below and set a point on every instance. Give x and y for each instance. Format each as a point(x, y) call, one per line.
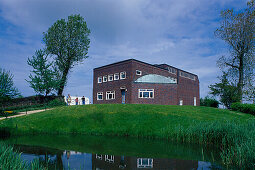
point(232, 132)
point(121, 119)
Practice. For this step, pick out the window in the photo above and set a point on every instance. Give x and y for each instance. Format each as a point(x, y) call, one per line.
point(122, 75)
point(144, 163)
point(110, 77)
point(99, 80)
point(109, 158)
point(105, 79)
point(187, 75)
point(146, 93)
point(116, 76)
point(171, 70)
point(110, 95)
point(99, 156)
point(100, 96)
point(195, 101)
point(138, 72)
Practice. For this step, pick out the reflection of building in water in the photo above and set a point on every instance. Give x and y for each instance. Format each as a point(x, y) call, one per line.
point(144, 163)
point(60, 159)
point(126, 162)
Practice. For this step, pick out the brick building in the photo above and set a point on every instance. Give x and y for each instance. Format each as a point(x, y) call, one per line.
point(137, 82)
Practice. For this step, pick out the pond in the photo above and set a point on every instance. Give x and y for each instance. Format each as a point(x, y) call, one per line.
point(97, 152)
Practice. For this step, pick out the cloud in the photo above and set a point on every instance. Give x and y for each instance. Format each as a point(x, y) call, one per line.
point(179, 33)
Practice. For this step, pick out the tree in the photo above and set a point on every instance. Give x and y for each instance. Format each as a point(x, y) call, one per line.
point(238, 30)
point(68, 42)
point(7, 88)
point(43, 80)
point(227, 92)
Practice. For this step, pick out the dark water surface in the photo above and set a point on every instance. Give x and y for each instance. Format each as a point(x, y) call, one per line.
point(94, 152)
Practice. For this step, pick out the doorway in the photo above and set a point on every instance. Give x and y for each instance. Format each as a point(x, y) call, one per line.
point(123, 96)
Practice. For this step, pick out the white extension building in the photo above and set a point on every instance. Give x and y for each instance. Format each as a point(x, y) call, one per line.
point(79, 100)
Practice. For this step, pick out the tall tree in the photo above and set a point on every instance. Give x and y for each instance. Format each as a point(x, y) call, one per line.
point(237, 29)
point(68, 41)
point(228, 92)
point(7, 88)
point(43, 80)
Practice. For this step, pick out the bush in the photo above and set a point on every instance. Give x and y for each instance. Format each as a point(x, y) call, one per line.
point(56, 102)
point(245, 108)
point(209, 102)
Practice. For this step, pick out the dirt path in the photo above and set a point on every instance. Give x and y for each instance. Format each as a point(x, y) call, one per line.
point(24, 113)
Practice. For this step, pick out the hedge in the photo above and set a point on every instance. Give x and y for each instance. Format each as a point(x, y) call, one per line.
point(245, 108)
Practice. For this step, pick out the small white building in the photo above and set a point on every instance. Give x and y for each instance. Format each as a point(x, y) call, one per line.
point(79, 100)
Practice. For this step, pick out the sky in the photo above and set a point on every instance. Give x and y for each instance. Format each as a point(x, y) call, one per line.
point(175, 32)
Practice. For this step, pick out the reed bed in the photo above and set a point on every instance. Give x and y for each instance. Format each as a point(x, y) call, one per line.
point(10, 160)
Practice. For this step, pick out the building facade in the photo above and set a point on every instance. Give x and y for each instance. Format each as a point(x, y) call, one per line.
point(137, 82)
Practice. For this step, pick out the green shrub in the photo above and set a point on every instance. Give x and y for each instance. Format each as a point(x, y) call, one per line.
point(209, 102)
point(56, 102)
point(245, 108)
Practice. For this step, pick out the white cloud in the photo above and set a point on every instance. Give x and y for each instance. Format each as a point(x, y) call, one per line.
point(179, 33)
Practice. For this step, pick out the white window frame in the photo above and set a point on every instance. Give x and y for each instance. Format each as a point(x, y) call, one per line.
point(100, 93)
point(195, 101)
point(108, 93)
point(124, 74)
point(141, 165)
point(146, 90)
point(99, 157)
point(118, 75)
point(105, 78)
point(181, 102)
point(111, 75)
point(138, 72)
point(109, 158)
point(99, 78)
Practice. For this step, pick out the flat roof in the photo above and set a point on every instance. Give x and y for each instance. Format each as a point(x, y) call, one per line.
point(155, 65)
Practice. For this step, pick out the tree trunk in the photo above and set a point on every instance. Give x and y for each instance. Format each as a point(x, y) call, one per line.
point(64, 78)
point(241, 77)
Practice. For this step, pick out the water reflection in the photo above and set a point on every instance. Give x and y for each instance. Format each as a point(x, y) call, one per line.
point(59, 159)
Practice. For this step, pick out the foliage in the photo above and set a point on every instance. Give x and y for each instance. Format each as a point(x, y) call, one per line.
point(7, 88)
point(209, 102)
point(10, 159)
point(229, 131)
point(227, 92)
point(56, 102)
point(43, 80)
point(245, 108)
point(237, 30)
point(68, 41)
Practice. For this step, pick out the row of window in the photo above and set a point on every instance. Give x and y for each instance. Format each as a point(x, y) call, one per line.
point(112, 77)
point(142, 93)
point(116, 76)
point(141, 162)
point(187, 75)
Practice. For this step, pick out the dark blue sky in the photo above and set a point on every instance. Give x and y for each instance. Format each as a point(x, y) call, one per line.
point(177, 32)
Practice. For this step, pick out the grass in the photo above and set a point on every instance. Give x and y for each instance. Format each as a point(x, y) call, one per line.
point(232, 132)
point(10, 159)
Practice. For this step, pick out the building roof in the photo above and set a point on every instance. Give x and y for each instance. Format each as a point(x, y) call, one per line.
point(155, 65)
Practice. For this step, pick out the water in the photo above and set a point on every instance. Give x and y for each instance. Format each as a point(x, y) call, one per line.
point(94, 152)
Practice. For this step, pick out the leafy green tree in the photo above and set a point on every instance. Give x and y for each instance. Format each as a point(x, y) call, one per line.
point(237, 29)
point(228, 92)
point(7, 88)
point(43, 80)
point(68, 41)
point(209, 102)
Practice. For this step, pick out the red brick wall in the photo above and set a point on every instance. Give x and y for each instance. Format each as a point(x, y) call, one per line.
point(167, 94)
point(112, 85)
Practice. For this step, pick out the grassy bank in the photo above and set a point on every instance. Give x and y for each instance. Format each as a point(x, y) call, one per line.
point(232, 132)
point(10, 159)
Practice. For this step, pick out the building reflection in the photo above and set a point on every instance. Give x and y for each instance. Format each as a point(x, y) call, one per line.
point(77, 160)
